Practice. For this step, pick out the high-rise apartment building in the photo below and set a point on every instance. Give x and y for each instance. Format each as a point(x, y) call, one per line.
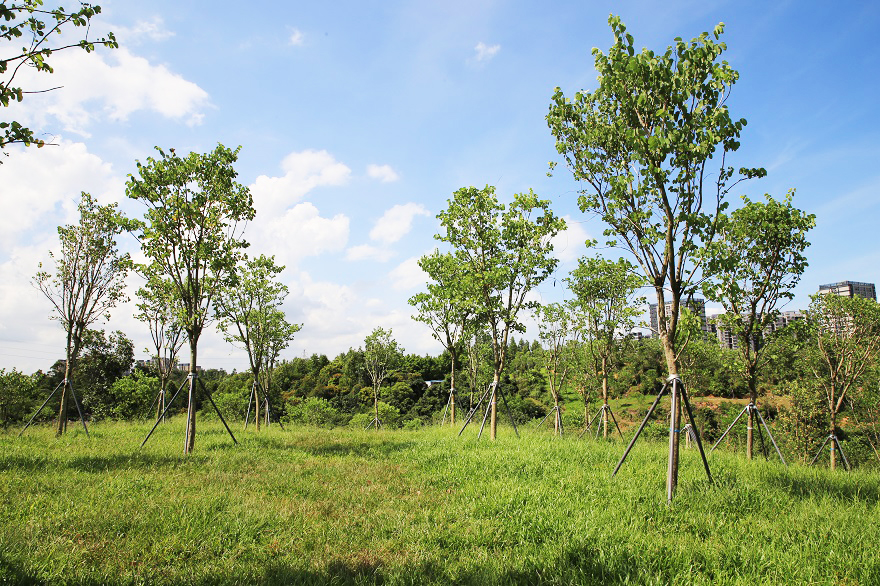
point(850, 289)
point(729, 341)
point(696, 305)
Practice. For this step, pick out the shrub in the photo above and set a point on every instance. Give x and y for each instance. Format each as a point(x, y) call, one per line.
point(315, 411)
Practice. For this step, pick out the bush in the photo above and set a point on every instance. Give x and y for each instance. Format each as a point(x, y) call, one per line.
point(233, 406)
point(389, 417)
point(314, 411)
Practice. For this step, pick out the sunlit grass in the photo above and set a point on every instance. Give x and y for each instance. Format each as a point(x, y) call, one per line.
point(346, 506)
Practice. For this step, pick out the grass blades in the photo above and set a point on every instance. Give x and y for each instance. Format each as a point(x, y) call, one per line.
point(317, 506)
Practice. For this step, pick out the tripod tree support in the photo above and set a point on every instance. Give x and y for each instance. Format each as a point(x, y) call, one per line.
point(605, 412)
point(679, 396)
point(835, 444)
point(753, 413)
point(193, 380)
point(67, 385)
point(491, 393)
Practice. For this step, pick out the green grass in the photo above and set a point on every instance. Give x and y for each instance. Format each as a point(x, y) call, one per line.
point(306, 506)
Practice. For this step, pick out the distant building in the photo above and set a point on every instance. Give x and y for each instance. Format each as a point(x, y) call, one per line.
point(850, 289)
point(696, 305)
point(727, 340)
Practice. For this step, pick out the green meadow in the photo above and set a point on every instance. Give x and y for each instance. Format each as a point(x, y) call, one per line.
point(338, 506)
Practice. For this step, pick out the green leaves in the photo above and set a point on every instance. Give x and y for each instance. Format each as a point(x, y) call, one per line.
point(643, 145)
point(191, 231)
point(89, 275)
point(499, 253)
point(35, 54)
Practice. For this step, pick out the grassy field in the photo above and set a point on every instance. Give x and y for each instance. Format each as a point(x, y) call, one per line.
point(316, 506)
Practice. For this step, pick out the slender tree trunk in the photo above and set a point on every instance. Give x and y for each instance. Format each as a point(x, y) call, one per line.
point(557, 421)
point(604, 397)
point(831, 442)
point(65, 399)
point(493, 417)
point(452, 390)
point(376, 403)
point(674, 418)
point(256, 402)
point(750, 430)
point(190, 438)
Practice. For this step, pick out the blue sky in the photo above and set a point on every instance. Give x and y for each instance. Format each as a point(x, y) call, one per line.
point(358, 120)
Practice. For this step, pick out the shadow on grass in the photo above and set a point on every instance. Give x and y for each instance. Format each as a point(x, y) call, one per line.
point(112, 462)
point(837, 485)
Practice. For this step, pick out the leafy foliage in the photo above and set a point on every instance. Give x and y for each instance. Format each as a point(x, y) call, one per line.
point(643, 143)
point(30, 26)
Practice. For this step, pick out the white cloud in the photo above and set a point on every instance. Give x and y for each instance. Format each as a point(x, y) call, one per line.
point(484, 52)
point(568, 245)
point(153, 30)
point(367, 252)
point(298, 233)
point(110, 85)
point(396, 222)
point(296, 37)
point(408, 275)
point(41, 187)
point(383, 173)
point(303, 171)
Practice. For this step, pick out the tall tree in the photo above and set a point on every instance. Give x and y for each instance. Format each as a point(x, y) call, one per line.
point(557, 334)
point(192, 235)
point(87, 282)
point(754, 265)
point(650, 144)
point(157, 311)
point(250, 316)
point(442, 309)
point(504, 253)
point(605, 306)
point(381, 355)
point(26, 36)
point(846, 334)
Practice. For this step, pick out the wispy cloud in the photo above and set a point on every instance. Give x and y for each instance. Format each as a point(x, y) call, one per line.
point(396, 222)
point(383, 173)
point(367, 252)
point(484, 52)
point(296, 37)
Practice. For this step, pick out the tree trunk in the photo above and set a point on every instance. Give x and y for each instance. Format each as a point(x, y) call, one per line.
point(557, 421)
point(604, 398)
point(674, 415)
point(831, 442)
point(750, 430)
point(65, 399)
point(452, 391)
point(376, 404)
point(256, 403)
point(493, 417)
point(190, 438)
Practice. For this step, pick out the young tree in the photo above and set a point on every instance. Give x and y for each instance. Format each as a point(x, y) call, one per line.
point(650, 144)
point(87, 282)
point(557, 335)
point(26, 38)
point(605, 310)
point(381, 355)
point(250, 316)
point(156, 310)
point(192, 235)
point(441, 308)
point(754, 265)
point(846, 331)
point(503, 253)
